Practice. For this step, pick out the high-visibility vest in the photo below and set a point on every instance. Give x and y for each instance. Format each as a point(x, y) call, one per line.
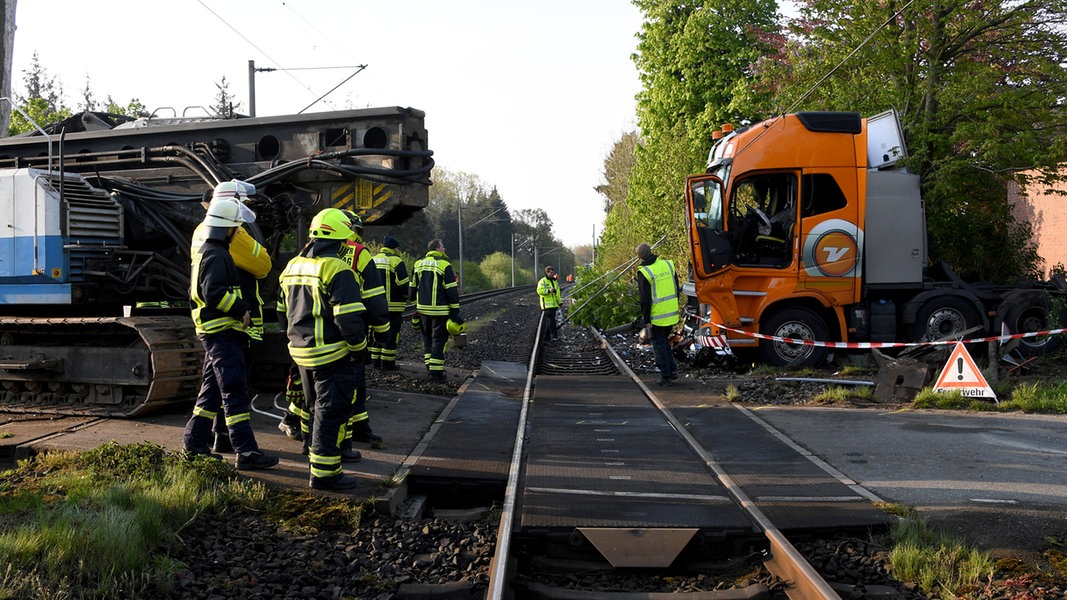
point(661, 278)
point(548, 293)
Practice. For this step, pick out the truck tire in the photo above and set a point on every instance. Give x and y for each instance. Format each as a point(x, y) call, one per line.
point(942, 318)
point(1033, 311)
point(796, 323)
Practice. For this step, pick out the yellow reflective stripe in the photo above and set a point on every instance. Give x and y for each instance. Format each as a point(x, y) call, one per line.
point(216, 325)
point(372, 292)
point(200, 412)
point(232, 420)
point(228, 300)
point(322, 355)
point(351, 307)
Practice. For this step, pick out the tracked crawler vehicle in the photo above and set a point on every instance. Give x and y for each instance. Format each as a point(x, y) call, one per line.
point(99, 211)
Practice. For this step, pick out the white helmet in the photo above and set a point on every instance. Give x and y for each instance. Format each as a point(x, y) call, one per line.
point(234, 189)
point(228, 212)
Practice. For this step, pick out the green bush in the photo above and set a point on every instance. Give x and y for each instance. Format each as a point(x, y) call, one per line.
point(603, 300)
point(473, 280)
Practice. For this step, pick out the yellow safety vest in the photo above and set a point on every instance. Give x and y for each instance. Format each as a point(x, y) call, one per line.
point(660, 276)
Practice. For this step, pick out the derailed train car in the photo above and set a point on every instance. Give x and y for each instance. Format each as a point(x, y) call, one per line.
point(99, 212)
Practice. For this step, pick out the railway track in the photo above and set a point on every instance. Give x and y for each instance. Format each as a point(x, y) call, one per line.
point(656, 543)
point(487, 470)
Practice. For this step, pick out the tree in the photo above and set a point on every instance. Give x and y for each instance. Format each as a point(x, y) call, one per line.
point(487, 222)
point(224, 100)
point(497, 270)
point(133, 108)
point(696, 61)
point(980, 89)
point(42, 102)
point(618, 166)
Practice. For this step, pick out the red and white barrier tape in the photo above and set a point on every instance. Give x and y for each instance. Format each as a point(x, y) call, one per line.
point(863, 345)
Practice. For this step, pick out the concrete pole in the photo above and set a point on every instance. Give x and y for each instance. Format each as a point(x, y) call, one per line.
point(251, 88)
point(7, 46)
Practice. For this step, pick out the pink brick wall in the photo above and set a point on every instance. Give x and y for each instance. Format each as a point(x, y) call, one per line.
point(1048, 214)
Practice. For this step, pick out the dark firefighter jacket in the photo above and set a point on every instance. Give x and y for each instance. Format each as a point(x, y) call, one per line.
point(434, 285)
point(319, 306)
point(370, 285)
point(215, 289)
point(394, 275)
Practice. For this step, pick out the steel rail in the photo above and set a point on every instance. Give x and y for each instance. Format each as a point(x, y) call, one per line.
point(786, 562)
point(498, 567)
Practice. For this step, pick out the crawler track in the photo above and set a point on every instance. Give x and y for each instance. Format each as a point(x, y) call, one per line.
point(106, 366)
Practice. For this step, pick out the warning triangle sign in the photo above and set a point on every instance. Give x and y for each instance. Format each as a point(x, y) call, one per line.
point(962, 375)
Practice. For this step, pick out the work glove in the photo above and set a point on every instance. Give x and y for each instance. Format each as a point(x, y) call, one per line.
point(455, 316)
point(416, 322)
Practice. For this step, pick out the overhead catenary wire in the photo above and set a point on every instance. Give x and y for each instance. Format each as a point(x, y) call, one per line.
point(850, 55)
point(287, 71)
point(623, 268)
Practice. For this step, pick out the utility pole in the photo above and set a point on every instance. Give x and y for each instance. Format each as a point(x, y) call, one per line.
point(251, 88)
point(7, 47)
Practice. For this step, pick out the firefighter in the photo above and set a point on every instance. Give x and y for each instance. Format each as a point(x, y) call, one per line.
point(222, 316)
point(549, 296)
point(436, 293)
point(657, 286)
point(253, 263)
point(321, 311)
point(394, 275)
point(359, 259)
point(377, 319)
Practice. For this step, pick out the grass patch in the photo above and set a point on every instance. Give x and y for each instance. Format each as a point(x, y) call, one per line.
point(309, 513)
point(1034, 397)
point(832, 395)
point(853, 370)
point(941, 564)
point(927, 398)
point(842, 394)
point(1038, 398)
point(732, 393)
point(86, 525)
point(476, 324)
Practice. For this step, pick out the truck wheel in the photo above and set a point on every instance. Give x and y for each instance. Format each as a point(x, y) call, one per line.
point(1031, 312)
point(796, 323)
point(944, 318)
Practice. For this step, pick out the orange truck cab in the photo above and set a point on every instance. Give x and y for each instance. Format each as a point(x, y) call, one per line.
point(804, 228)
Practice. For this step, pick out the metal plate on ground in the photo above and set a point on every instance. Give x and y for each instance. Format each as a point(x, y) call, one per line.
point(466, 462)
point(599, 455)
point(794, 492)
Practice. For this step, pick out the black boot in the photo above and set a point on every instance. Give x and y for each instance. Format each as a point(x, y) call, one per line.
point(348, 454)
point(361, 432)
point(222, 443)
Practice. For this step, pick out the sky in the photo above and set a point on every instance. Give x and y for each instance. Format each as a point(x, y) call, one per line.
point(529, 96)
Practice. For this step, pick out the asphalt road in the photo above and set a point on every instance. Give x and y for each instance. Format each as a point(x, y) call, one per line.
point(998, 480)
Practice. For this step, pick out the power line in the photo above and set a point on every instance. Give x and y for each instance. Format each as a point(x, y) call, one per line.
point(253, 44)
